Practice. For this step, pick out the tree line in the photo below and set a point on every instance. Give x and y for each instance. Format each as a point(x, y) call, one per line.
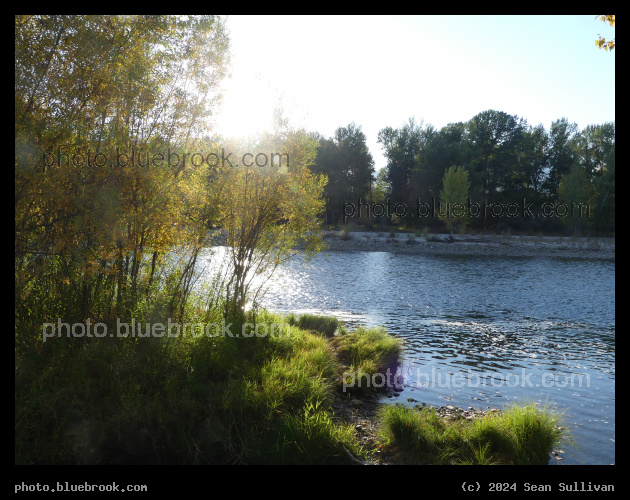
point(508, 163)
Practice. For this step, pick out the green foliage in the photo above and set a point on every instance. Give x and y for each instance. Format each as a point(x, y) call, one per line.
point(374, 344)
point(90, 91)
point(454, 198)
point(265, 212)
point(400, 148)
point(521, 435)
point(310, 437)
point(347, 163)
point(110, 401)
point(509, 163)
point(106, 234)
point(381, 187)
point(575, 192)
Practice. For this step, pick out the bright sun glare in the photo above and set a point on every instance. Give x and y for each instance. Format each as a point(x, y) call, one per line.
point(247, 108)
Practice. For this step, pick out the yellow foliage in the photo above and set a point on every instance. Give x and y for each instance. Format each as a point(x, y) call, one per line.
point(602, 42)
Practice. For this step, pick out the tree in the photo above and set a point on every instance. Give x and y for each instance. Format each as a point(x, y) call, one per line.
point(335, 192)
point(93, 226)
point(575, 195)
point(440, 149)
point(602, 43)
point(494, 141)
point(346, 160)
point(401, 146)
point(597, 159)
point(453, 198)
point(594, 145)
point(563, 138)
point(355, 160)
point(533, 161)
point(381, 187)
point(265, 212)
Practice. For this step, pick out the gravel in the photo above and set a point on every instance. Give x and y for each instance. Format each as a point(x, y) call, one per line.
point(487, 245)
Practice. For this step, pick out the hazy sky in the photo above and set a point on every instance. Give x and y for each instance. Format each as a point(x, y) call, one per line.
point(379, 71)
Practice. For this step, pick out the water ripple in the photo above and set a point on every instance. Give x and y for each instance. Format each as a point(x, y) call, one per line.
point(484, 319)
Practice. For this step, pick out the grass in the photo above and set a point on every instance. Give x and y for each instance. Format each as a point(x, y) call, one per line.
point(255, 400)
point(322, 324)
point(520, 435)
point(365, 353)
point(184, 400)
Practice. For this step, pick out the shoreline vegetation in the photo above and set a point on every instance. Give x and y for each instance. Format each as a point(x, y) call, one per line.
point(497, 245)
point(276, 400)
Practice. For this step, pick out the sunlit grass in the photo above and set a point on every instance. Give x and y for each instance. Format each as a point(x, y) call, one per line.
point(213, 400)
point(368, 352)
point(326, 325)
point(522, 434)
point(181, 400)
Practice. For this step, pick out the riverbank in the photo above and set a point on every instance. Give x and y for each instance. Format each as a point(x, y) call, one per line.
point(482, 245)
point(397, 434)
point(363, 414)
point(285, 399)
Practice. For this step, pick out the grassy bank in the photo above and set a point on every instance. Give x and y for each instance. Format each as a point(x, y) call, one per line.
point(519, 435)
point(188, 399)
point(247, 399)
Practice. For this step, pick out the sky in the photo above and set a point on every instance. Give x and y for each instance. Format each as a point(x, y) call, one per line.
point(379, 71)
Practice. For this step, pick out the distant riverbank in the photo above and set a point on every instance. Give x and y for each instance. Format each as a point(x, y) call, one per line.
point(484, 245)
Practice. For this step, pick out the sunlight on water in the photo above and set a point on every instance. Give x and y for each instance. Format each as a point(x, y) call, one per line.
point(480, 332)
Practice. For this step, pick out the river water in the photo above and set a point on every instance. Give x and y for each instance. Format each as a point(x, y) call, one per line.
point(480, 332)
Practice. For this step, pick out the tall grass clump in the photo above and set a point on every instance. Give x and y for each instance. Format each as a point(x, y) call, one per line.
point(368, 352)
point(325, 325)
point(423, 436)
point(280, 410)
point(520, 435)
point(310, 437)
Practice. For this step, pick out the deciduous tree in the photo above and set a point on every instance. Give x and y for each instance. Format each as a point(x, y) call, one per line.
point(454, 197)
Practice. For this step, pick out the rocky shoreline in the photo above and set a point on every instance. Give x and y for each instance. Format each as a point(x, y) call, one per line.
point(483, 245)
point(362, 413)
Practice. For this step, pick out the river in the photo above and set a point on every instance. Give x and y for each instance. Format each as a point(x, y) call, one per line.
point(480, 332)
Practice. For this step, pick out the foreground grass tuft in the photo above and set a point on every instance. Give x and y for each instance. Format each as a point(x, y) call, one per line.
point(322, 324)
point(520, 435)
point(371, 356)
